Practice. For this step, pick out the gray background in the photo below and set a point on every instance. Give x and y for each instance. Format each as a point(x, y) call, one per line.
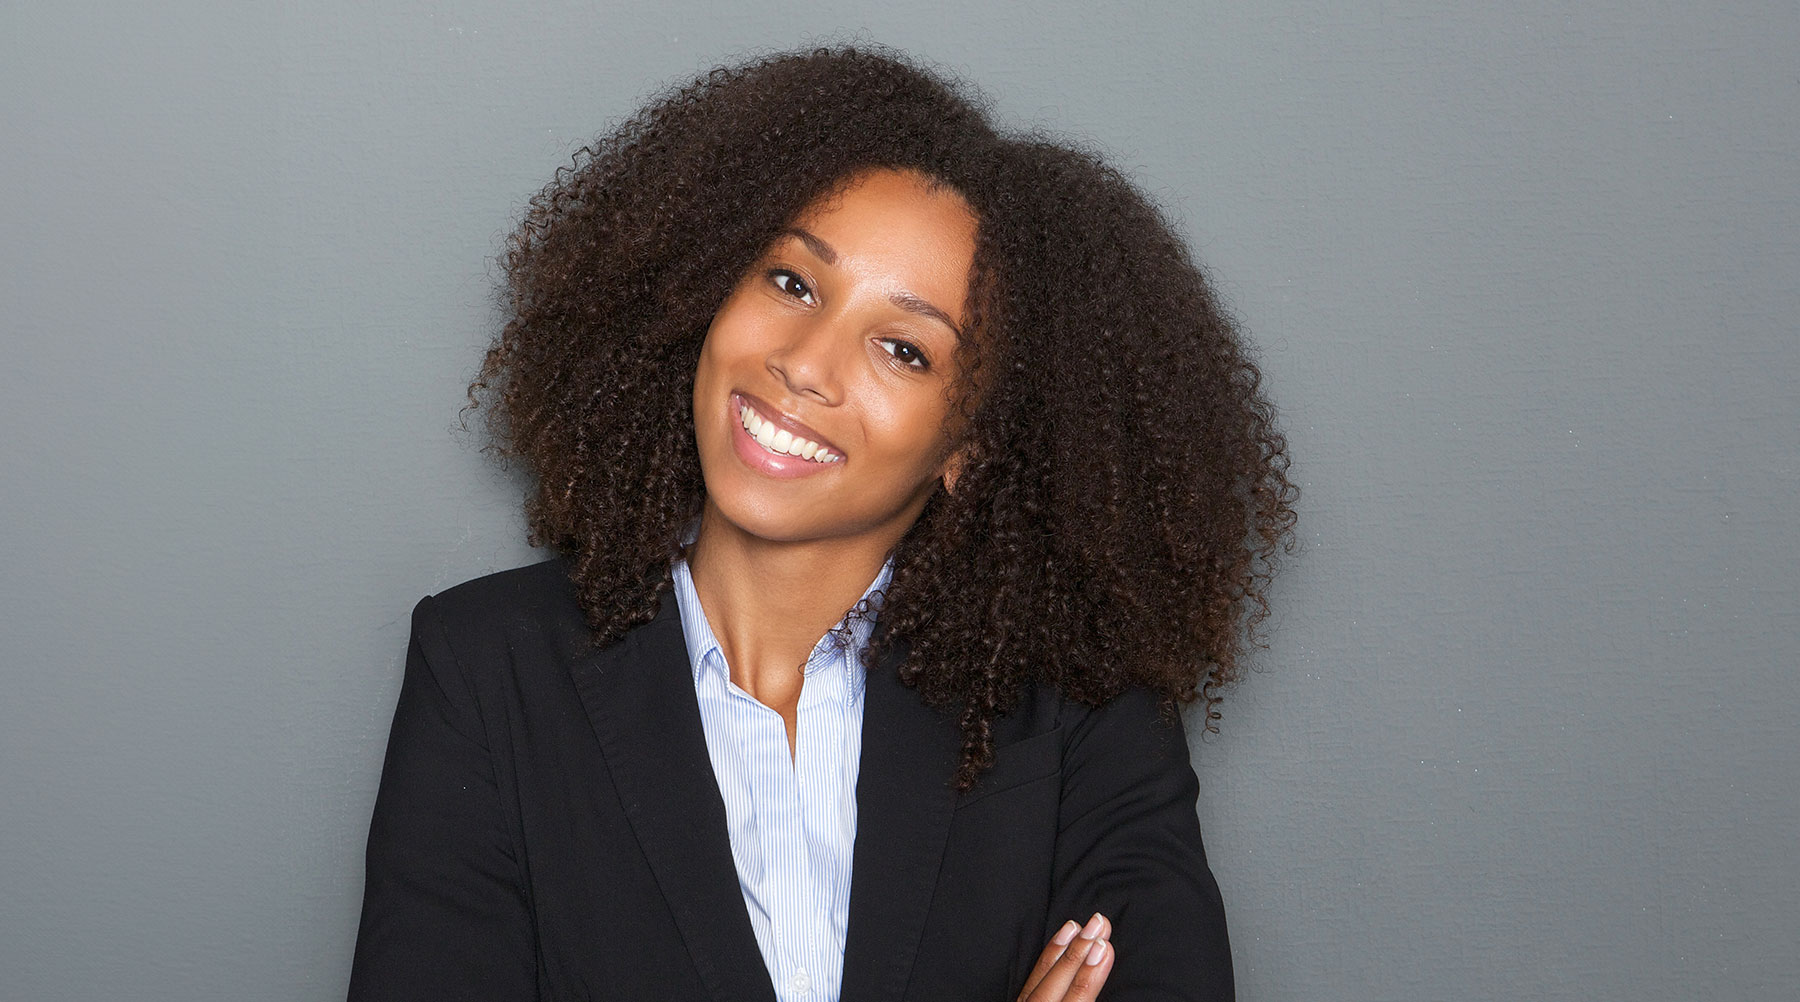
point(1524, 275)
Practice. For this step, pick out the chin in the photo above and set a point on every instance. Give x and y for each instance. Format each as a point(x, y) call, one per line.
point(770, 521)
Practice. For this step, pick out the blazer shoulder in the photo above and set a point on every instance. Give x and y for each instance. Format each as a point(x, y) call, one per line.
point(537, 598)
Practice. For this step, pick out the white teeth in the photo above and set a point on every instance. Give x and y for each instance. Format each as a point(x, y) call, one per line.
point(780, 440)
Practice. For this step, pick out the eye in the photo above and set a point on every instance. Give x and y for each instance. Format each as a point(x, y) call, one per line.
point(906, 352)
point(791, 284)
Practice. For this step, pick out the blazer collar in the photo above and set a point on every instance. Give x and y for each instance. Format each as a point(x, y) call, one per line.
point(639, 696)
point(903, 806)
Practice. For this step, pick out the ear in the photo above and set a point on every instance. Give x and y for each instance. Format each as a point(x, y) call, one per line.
point(953, 469)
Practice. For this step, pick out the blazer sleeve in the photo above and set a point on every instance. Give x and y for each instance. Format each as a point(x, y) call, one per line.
point(444, 913)
point(1128, 845)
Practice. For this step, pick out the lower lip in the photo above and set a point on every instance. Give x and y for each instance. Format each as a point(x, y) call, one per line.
point(763, 461)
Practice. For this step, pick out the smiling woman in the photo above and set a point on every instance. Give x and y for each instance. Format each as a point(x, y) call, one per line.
point(905, 480)
point(832, 338)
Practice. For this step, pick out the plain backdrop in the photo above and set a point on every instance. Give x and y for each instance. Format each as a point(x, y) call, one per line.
point(1524, 281)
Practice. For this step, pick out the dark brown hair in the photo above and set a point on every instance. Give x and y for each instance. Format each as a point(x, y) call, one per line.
point(1125, 493)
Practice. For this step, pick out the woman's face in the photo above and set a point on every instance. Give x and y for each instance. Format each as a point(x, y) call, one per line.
point(824, 382)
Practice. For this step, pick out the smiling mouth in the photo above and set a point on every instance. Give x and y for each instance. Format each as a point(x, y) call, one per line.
point(780, 441)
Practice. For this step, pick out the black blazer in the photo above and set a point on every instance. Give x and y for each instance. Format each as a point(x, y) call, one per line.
point(548, 827)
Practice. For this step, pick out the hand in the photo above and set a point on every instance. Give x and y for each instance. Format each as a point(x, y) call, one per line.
point(1073, 966)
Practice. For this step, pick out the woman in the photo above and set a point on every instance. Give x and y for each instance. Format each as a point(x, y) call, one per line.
point(905, 477)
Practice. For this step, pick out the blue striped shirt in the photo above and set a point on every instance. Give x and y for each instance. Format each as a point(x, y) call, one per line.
point(792, 820)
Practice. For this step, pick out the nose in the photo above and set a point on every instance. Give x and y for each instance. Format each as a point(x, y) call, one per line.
point(809, 362)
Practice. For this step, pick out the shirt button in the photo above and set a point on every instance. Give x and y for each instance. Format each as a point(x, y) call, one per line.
point(800, 981)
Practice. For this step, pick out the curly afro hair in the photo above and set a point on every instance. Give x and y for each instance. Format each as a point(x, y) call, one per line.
point(1124, 494)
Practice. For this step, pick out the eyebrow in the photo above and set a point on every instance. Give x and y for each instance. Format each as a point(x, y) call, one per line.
point(821, 250)
point(905, 300)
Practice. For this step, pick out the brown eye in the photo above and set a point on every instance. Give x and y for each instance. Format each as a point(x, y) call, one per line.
point(906, 352)
point(791, 284)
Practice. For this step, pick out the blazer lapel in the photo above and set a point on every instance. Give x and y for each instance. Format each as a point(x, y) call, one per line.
point(903, 806)
point(639, 695)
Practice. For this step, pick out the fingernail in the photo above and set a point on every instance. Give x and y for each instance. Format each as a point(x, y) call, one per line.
point(1096, 954)
point(1066, 933)
point(1092, 929)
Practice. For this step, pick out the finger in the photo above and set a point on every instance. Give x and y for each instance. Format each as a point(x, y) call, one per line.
point(1092, 974)
point(1052, 952)
point(1096, 924)
point(1061, 975)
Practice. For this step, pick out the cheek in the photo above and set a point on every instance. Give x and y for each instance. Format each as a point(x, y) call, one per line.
point(711, 377)
point(722, 349)
point(735, 339)
point(909, 428)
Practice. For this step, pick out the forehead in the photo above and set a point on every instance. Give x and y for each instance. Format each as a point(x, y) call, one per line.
point(899, 223)
point(894, 187)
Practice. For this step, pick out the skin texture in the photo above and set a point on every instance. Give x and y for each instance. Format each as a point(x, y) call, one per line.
point(1121, 492)
point(814, 331)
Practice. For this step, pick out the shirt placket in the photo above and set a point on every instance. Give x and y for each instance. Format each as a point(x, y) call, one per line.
point(819, 735)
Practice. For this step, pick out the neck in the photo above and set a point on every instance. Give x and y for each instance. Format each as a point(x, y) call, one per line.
point(769, 602)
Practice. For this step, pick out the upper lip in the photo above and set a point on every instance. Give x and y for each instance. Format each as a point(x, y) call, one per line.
point(780, 419)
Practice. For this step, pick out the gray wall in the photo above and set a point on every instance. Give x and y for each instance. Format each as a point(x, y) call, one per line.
point(1525, 275)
